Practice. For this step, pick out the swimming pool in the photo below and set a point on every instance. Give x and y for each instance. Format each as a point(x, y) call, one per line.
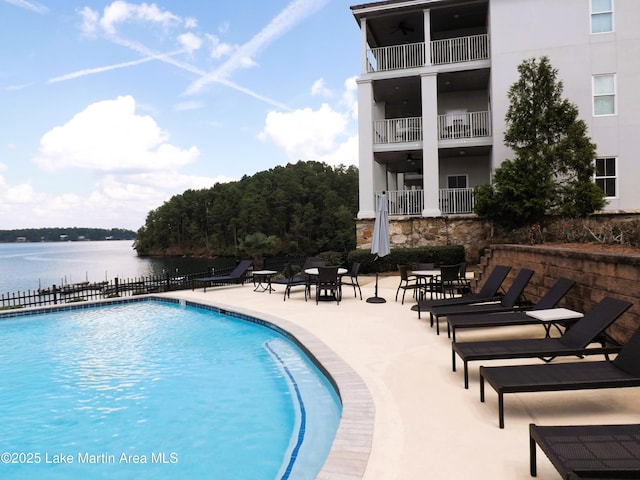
point(150, 389)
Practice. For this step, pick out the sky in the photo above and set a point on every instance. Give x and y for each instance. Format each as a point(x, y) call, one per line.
point(110, 108)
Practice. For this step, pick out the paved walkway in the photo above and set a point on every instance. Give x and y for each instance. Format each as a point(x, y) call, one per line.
point(427, 426)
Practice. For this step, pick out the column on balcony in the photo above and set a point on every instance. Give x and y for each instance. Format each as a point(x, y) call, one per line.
point(372, 176)
point(430, 170)
point(427, 37)
point(363, 45)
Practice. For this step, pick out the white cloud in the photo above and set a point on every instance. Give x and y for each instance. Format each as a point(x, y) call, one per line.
point(319, 89)
point(109, 136)
point(89, 21)
point(121, 12)
point(22, 193)
point(33, 6)
point(218, 48)
point(190, 42)
point(308, 134)
point(133, 167)
point(244, 56)
point(326, 134)
point(188, 105)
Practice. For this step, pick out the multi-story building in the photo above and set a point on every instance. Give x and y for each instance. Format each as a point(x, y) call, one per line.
point(432, 95)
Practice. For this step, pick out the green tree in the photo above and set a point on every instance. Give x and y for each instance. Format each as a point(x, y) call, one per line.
point(309, 207)
point(554, 160)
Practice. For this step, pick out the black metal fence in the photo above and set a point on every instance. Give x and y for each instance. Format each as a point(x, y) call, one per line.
point(85, 291)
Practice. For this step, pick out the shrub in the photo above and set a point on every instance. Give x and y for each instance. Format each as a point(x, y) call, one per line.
point(440, 255)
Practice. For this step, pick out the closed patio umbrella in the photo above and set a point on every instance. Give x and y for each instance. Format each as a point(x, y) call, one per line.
point(380, 244)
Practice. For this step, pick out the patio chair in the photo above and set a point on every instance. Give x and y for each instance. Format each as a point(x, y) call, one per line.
point(328, 285)
point(447, 281)
point(464, 284)
point(519, 317)
point(488, 292)
point(507, 303)
point(575, 341)
point(351, 278)
point(588, 451)
point(238, 275)
point(407, 282)
point(292, 280)
point(624, 371)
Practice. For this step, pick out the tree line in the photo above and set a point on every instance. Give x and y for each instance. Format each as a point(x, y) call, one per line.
point(65, 234)
point(297, 209)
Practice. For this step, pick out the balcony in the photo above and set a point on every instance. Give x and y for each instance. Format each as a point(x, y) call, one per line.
point(451, 201)
point(451, 50)
point(397, 130)
point(464, 125)
point(450, 127)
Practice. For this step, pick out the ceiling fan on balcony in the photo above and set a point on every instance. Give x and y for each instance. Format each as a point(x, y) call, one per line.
point(403, 27)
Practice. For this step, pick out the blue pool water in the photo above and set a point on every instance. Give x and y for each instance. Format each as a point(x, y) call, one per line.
point(153, 389)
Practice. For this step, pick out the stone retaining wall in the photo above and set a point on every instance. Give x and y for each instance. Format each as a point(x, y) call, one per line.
point(412, 232)
point(596, 274)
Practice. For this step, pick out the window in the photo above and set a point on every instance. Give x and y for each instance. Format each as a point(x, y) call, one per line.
point(601, 16)
point(604, 94)
point(606, 175)
point(457, 181)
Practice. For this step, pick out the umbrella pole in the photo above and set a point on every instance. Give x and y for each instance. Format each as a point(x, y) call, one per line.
point(376, 298)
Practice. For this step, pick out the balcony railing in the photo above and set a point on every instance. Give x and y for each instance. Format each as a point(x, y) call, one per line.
point(412, 55)
point(396, 57)
point(456, 200)
point(460, 49)
point(464, 125)
point(411, 202)
point(397, 130)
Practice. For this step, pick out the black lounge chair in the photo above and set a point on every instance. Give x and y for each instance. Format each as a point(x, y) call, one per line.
point(508, 302)
point(238, 275)
point(292, 280)
point(624, 371)
point(575, 341)
point(488, 292)
point(517, 317)
point(588, 451)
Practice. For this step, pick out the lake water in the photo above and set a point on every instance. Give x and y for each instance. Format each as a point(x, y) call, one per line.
point(29, 266)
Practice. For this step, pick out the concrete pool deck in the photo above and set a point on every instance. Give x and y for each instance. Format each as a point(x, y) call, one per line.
point(425, 424)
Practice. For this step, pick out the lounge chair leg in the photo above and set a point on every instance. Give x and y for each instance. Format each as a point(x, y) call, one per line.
point(481, 387)
point(466, 375)
point(453, 359)
point(501, 409)
point(533, 469)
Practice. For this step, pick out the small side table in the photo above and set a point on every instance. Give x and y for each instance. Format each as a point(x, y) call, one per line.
point(262, 280)
point(554, 317)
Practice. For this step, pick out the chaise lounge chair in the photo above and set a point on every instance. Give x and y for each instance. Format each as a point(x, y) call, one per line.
point(488, 292)
point(575, 341)
point(238, 275)
point(519, 317)
point(624, 371)
point(588, 451)
point(507, 303)
point(292, 280)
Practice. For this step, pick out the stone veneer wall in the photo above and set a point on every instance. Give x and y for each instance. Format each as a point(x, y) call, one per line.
point(596, 274)
point(412, 232)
